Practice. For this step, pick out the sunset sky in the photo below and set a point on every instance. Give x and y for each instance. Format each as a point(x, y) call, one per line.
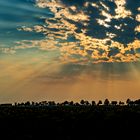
point(69, 50)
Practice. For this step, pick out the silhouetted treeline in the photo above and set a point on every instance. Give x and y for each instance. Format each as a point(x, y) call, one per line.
point(69, 121)
point(106, 102)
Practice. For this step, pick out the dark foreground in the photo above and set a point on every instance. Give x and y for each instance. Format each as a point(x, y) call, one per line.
point(70, 122)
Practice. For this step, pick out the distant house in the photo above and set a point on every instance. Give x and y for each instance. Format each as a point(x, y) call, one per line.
point(5, 105)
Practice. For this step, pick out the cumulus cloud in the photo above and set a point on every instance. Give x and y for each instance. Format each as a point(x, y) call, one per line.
point(89, 31)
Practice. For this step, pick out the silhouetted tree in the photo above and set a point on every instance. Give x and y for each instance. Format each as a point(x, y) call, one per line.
point(76, 104)
point(99, 103)
point(129, 102)
point(51, 103)
point(65, 103)
point(71, 103)
point(137, 102)
point(58, 104)
point(121, 103)
point(106, 102)
point(87, 103)
point(44, 103)
point(27, 103)
point(82, 102)
point(93, 103)
point(33, 103)
point(36, 104)
point(114, 102)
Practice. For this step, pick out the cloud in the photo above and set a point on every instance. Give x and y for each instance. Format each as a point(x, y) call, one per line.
point(90, 31)
point(7, 50)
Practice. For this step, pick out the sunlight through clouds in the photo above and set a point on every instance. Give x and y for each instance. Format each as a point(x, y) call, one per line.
point(72, 20)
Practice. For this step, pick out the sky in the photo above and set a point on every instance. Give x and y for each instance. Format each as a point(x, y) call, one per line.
point(69, 50)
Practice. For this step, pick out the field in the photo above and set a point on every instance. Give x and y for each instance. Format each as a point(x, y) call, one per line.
point(69, 122)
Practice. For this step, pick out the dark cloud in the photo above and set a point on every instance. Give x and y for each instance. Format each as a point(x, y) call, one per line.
point(90, 30)
point(131, 51)
point(113, 51)
point(127, 32)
